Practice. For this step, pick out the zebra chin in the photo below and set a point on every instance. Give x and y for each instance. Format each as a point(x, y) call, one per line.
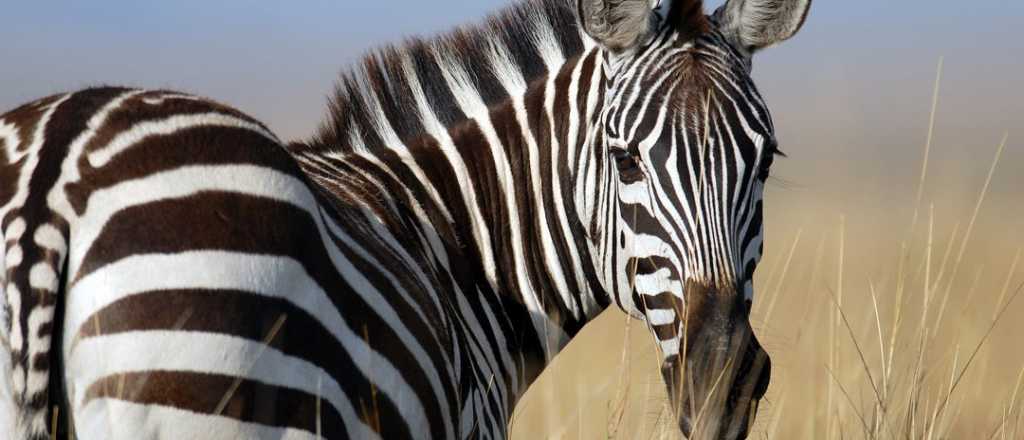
point(722, 374)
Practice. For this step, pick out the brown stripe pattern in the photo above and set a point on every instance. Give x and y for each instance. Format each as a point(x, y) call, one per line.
point(171, 269)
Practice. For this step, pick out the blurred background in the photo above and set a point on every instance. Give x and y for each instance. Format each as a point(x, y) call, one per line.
point(852, 96)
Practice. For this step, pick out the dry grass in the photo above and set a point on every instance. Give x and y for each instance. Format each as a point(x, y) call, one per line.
point(880, 326)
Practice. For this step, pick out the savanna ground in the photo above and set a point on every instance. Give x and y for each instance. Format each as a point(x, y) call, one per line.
point(889, 305)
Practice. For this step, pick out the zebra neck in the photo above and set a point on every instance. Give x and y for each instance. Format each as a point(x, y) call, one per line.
point(483, 132)
point(483, 175)
point(513, 191)
point(501, 191)
point(509, 182)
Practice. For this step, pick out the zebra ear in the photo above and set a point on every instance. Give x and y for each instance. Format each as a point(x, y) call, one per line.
point(618, 25)
point(756, 24)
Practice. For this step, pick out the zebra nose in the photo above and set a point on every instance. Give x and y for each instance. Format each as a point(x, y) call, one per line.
point(727, 369)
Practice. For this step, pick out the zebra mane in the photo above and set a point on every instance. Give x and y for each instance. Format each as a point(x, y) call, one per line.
point(380, 87)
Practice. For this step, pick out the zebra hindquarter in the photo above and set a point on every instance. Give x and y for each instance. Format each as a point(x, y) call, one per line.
point(181, 338)
point(177, 239)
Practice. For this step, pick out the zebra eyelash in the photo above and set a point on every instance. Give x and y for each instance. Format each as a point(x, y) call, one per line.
point(771, 151)
point(772, 147)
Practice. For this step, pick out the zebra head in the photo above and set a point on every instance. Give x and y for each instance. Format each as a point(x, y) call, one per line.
point(687, 143)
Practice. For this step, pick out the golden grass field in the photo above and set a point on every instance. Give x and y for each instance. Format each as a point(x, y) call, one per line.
point(890, 312)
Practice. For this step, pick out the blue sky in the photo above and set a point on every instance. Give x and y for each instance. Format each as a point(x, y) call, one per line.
point(855, 85)
point(273, 58)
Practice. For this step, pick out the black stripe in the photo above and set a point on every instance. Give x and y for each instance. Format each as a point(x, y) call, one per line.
point(251, 401)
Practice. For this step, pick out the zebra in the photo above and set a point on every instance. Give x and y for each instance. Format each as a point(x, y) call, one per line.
point(172, 269)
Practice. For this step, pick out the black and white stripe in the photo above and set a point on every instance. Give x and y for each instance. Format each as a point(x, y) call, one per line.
point(470, 203)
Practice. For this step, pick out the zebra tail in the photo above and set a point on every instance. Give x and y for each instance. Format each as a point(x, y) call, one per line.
point(35, 255)
point(33, 249)
point(8, 413)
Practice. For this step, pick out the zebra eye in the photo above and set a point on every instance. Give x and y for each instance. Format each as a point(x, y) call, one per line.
point(626, 164)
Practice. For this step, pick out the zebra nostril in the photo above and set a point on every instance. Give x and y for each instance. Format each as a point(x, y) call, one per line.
point(686, 425)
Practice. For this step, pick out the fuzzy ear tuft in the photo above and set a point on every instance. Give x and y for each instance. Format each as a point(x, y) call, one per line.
point(620, 25)
point(617, 24)
point(756, 24)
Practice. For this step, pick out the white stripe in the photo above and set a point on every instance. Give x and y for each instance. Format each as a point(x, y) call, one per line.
point(545, 41)
point(656, 283)
point(117, 419)
point(10, 140)
point(18, 379)
point(669, 347)
point(128, 138)
point(660, 316)
point(42, 277)
point(14, 301)
point(15, 230)
point(160, 99)
point(48, 237)
point(13, 258)
point(505, 69)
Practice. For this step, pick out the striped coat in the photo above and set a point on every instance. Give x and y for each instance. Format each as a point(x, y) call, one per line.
point(173, 270)
point(170, 216)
